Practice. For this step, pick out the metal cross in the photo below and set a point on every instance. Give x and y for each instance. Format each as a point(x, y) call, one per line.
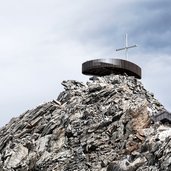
point(126, 47)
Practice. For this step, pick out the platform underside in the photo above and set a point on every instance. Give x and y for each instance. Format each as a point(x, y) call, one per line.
point(102, 67)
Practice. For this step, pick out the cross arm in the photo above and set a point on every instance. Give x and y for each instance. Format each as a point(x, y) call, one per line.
point(128, 47)
point(120, 49)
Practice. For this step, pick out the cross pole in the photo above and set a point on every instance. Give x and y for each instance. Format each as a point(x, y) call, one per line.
point(126, 47)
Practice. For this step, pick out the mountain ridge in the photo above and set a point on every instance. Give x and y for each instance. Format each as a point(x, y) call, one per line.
point(105, 124)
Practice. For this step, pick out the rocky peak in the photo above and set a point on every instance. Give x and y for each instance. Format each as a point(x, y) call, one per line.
point(103, 125)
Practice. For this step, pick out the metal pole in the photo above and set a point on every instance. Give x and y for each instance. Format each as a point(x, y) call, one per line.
point(126, 46)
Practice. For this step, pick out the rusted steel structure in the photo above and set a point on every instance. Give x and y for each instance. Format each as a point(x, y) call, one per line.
point(102, 67)
point(163, 117)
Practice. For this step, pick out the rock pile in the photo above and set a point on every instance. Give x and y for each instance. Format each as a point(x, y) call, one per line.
point(103, 125)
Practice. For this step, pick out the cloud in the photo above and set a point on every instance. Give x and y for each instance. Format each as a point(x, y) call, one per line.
point(45, 42)
point(156, 78)
point(152, 25)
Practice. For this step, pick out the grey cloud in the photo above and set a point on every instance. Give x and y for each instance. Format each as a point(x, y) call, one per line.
point(153, 25)
point(43, 43)
point(147, 22)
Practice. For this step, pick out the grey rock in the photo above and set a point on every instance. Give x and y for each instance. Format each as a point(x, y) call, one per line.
point(103, 125)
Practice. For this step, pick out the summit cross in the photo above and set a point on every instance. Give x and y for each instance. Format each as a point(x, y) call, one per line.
point(126, 47)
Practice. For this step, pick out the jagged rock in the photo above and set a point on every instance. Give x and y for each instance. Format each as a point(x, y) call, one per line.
point(103, 125)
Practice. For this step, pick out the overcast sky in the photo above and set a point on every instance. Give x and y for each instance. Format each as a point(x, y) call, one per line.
point(43, 42)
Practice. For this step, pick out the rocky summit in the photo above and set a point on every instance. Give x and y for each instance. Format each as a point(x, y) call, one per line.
point(104, 125)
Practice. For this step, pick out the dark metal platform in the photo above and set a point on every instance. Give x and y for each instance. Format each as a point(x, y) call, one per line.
point(102, 67)
point(163, 117)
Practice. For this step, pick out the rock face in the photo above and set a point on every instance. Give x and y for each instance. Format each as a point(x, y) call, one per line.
point(103, 125)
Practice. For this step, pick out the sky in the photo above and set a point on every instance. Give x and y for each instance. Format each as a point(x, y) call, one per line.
point(43, 42)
